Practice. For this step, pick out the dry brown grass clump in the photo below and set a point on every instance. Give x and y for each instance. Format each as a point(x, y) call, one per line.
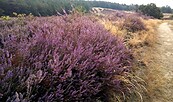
point(143, 39)
point(114, 27)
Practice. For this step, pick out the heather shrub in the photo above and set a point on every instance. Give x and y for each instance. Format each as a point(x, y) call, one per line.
point(64, 59)
point(133, 24)
point(16, 25)
point(117, 15)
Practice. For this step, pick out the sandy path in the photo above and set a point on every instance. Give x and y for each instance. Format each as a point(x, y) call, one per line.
point(164, 93)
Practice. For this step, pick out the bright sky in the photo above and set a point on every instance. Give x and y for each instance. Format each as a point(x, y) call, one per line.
point(159, 3)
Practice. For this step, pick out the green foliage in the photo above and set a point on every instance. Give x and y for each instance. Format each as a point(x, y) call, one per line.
point(20, 16)
point(5, 18)
point(116, 6)
point(166, 9)
point(1, 11)
point(151, 10)
point(36, 7)
point(79, 9)
point(52, 7)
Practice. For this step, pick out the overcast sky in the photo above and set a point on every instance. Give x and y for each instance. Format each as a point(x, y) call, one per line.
point(159, 3)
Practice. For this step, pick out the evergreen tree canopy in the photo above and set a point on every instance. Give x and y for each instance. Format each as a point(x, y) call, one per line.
point(151, 10)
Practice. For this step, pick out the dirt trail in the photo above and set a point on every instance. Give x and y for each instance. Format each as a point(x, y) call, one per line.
point(164, 77)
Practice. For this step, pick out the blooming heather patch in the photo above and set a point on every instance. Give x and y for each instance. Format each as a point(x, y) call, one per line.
point(133, 24)
point(63, 59)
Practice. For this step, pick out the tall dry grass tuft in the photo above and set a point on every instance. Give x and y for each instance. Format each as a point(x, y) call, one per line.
point(114, 27)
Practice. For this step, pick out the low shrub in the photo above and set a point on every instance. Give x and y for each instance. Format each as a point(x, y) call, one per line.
point(133, 24)
point(64, 59)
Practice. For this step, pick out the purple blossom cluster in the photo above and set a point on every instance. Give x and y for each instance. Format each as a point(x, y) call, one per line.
point(131, 21)
point(116, 15)
point(119, 15)
point(62, 59)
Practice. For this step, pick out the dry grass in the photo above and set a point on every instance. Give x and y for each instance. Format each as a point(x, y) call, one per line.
point(146, 37)
point(155, 72)
point(144, 51)
point(171, 24)
point(142, 44)
point(114, 28)
point(140, 38)
point(139, 41)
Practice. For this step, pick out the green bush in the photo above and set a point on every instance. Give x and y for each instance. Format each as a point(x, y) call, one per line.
point(151, 10)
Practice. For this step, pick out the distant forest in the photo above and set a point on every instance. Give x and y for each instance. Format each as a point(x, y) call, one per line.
point(52, 7)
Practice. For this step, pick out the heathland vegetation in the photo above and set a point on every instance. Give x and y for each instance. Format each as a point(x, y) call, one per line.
point(76, 56)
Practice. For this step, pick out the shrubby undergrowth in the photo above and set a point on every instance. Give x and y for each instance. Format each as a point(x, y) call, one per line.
point(133, 24)
point(130, 21)
point(65, 59)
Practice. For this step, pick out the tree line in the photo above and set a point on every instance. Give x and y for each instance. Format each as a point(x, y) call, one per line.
point(52, 7)
point(166, 9)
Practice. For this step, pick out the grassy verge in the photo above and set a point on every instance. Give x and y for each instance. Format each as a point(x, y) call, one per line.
point(142, 44)
point(145, 52)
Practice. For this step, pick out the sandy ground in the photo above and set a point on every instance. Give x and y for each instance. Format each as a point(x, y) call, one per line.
point(164, 75)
